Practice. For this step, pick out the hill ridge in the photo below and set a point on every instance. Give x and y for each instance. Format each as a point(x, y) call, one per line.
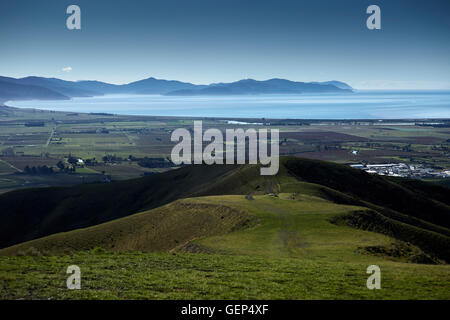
point(34, 87)
point(36, 213)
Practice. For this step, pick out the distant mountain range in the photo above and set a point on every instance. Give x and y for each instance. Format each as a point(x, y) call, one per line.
point(56, 89)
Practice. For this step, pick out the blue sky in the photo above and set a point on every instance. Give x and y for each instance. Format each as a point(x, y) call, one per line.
point(204, 41)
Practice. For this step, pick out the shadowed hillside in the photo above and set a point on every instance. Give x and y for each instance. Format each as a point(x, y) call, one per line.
point(159, 229)
point(406, 197)
point(33, 213)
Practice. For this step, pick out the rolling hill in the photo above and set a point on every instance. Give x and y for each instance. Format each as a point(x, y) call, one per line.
point(159, 229)
point(269, 234)
point(225, 232)
point(272, 246)
point(393, 209)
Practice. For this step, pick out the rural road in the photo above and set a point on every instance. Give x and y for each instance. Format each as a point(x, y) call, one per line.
point(9, 164)
point(50, 138)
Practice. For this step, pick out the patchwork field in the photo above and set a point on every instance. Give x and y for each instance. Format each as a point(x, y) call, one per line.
point(30, 137)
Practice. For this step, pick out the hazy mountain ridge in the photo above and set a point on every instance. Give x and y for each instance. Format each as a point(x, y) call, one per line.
point(10, 90)
point(271, 86)
point(52, 88)
point(339, 84)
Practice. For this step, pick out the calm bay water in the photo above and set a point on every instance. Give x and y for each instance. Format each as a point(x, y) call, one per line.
point(359, 105)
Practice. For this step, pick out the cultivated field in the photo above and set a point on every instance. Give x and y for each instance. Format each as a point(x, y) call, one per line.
point(35, 138)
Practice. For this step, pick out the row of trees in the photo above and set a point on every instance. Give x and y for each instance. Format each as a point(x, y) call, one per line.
point(72, 162)
point(38, 170)
point(154, 163)
point(143, 162)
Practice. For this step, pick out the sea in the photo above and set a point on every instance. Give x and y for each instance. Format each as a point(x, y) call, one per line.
point(357, 105)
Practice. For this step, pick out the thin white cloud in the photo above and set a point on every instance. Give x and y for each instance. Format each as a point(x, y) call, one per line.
point(67, 69)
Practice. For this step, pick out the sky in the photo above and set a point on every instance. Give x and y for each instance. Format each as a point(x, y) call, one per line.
point(206, 41)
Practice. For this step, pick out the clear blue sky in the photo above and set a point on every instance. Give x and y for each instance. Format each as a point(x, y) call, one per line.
point(204, 41)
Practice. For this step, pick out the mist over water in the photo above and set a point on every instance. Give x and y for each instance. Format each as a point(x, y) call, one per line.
point(359, 105)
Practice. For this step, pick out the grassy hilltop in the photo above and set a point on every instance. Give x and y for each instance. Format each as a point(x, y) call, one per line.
point(309, 232)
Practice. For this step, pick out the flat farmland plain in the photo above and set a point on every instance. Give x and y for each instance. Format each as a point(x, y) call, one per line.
point(30, 137)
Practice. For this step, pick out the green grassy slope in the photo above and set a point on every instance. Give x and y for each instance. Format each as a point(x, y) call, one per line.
point(175, 225)
point(290, 227)
point(291, 249)
point(134, 275)
point(158, 230)
point(284, 225)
